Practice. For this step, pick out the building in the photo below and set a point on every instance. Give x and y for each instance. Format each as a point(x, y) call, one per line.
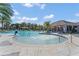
point(64, 26)
point(77, 27)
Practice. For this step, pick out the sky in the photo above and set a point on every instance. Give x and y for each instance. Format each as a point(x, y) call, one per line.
point(41, 12)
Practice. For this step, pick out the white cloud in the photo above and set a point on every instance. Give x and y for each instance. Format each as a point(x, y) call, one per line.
point(18, 17)
point(16, 12)
point(49, 16)
point(43, 6)
point(20, 21)
point(13, 17)
point(77, 14)
point(35, 18)
point(26, 19)
point(72, 20)
point(29, 5)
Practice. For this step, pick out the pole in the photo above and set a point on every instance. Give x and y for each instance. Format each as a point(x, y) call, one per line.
point(59, 39)
point(71, 38)
point(71, 34)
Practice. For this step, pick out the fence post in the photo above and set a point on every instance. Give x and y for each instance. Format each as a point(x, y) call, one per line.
point(59, 39)
point(71, 37)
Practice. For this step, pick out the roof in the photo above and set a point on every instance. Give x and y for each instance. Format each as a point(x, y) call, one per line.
point(63, 22)
point(77, 23)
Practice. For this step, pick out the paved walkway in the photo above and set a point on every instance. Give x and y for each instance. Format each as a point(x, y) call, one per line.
point(73, 44)
point(64, 49)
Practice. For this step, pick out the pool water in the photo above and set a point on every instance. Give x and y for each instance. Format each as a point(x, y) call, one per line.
point(34, 37)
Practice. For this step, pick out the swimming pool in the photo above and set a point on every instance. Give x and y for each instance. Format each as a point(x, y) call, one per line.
point(34, 37)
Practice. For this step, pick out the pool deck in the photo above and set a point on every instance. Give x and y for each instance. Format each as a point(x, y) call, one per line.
point(19, 49)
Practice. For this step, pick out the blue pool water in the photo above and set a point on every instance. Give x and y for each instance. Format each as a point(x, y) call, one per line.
point(33, 37)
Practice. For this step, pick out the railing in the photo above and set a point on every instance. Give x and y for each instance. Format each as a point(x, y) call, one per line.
point(74, 38)
point(63, 48)
point(50, 49)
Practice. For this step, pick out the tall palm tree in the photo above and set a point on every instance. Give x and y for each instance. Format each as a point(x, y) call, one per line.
point(47, 25)
point(23, 24)
point(7, 24)
point(29, 25)
point(5, 13)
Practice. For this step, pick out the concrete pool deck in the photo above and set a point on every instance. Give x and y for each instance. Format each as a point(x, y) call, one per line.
point(63, 49)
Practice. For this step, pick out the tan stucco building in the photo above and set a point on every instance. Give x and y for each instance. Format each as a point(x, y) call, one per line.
point(64, 26)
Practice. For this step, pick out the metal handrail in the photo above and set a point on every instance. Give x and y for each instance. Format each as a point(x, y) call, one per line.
point(66, 43)
point(71, 38)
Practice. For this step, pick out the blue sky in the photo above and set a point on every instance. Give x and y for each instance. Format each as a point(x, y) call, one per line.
point(39, 13)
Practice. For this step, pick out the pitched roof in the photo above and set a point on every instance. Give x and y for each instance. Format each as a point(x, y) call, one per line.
point(77, 23)
point(63, 22)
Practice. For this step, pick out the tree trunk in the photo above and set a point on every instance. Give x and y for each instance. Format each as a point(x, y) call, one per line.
point(2, 25)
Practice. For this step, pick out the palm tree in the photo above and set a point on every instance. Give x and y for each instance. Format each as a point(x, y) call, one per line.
point(29, 25)
point(17, 26)
point(5, 13)
point(7, 24)
point(23, 24)
point(47, 25)
point(13, 26)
